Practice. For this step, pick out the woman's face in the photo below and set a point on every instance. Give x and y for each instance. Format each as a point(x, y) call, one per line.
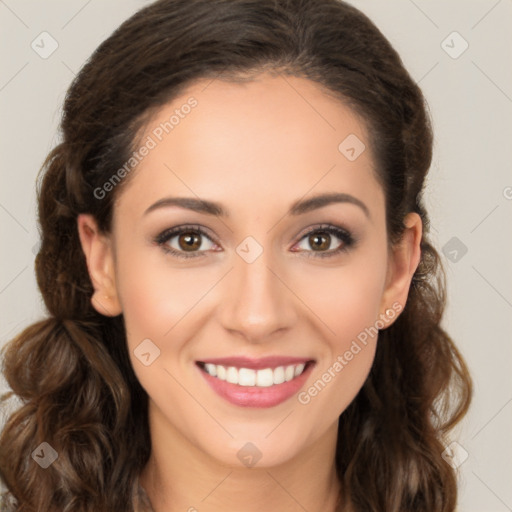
point(263, 267)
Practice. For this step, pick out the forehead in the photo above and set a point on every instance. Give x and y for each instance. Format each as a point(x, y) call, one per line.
point(266, 141)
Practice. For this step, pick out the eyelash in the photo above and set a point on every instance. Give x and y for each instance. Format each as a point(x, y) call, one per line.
point(348, 241)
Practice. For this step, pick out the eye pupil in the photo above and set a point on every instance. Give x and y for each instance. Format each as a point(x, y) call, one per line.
point(189, 241)
point(320, 241)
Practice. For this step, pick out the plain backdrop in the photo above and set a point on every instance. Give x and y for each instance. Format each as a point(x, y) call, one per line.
point(459, 51)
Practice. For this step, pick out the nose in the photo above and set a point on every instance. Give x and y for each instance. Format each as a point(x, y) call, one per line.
point(258, 301)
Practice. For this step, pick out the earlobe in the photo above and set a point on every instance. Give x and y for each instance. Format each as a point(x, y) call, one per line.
point(404, 260)
point(100, 265)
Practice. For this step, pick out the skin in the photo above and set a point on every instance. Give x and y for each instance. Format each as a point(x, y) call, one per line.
point(255, 148)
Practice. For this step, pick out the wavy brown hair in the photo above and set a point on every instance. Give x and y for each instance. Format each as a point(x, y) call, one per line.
point(71, 372)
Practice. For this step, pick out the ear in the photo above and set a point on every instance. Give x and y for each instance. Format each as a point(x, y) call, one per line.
point(403, 261)
point(99, 255)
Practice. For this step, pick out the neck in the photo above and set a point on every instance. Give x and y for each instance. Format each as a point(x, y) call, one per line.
point(180, 477)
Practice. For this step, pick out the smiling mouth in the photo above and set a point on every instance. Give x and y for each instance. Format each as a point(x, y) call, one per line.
point(262, 378)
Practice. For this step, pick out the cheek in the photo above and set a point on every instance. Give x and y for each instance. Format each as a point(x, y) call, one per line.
point(162, 304)
point(346, 302)
point(345, 299)
point(155, 298)
point(349, 348)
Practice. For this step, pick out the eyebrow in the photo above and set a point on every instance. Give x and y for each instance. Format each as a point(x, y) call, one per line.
point(298, 207)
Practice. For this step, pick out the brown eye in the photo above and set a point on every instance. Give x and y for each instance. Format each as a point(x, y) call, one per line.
point(325, 241)
point(186, 242)
point(189, 241)
point(320, 241)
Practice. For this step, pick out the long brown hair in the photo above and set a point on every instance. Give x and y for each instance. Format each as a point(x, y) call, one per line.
point(71, 372)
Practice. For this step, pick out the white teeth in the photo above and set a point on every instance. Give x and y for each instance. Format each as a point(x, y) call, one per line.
point(261, 378)
point(221, 372)
point(289, 373)
point(265, 378)
point(211, 369)
point(299, 369)
point(246, 377)
point(232, 375)
point(279, 375)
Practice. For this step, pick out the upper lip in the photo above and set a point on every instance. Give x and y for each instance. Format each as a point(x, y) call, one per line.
point(256, 364)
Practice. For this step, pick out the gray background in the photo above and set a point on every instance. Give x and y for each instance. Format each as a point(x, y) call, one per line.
point(469, 189)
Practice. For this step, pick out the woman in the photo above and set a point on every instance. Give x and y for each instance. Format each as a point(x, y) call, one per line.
point(244, 305)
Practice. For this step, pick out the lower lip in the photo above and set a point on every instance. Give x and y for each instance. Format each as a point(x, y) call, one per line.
point(253, 396)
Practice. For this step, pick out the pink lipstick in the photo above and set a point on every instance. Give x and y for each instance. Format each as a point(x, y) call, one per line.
point(264, 382)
